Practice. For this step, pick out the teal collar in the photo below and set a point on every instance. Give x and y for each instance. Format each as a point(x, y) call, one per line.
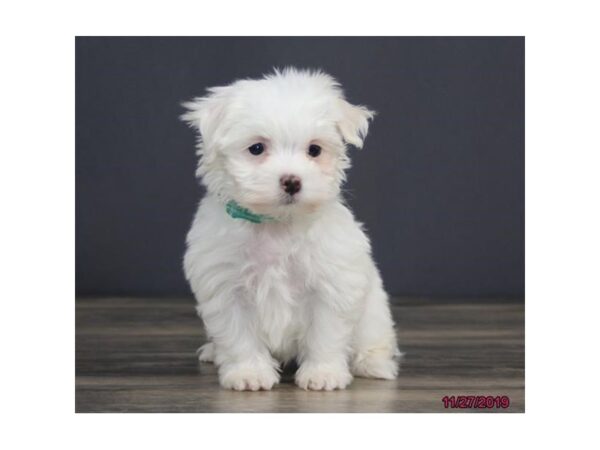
point(238, 212)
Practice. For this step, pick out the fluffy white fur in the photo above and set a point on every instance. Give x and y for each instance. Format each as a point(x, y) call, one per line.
point(304, 285)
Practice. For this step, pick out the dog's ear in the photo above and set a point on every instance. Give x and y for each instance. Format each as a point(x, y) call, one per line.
point(353, 123)
point(206, 114)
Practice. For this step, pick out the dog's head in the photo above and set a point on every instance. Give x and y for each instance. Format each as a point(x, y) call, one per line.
point(276, 145)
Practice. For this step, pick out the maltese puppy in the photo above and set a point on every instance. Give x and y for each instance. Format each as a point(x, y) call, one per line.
point(279, 266)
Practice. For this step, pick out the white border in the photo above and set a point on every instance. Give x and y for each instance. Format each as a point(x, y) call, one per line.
point(37, 142)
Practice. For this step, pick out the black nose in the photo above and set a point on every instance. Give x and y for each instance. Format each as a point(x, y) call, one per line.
point(291, 184)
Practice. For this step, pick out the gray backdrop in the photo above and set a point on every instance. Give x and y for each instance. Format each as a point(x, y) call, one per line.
point(439, 184)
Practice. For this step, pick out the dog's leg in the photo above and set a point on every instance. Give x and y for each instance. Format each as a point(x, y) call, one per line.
point(324, 351)
point(374, 343)
point(206, 353)
point(243, 360)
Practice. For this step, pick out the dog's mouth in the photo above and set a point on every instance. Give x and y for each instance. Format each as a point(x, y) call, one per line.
point(283, 202)
point(290, 200)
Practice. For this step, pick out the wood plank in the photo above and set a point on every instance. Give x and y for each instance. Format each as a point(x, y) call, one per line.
point(138, 355)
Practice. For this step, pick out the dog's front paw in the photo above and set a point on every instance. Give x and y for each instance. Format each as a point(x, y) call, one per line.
point(248, 377)
point(318, 377)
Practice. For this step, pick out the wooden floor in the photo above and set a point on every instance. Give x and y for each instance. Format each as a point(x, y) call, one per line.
point(139, 355)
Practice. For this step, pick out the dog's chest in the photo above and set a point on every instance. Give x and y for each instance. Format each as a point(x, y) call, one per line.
point(275, 258)
point(275, 275)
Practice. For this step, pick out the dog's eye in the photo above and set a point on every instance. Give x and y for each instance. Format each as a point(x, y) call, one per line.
point(256, 149)
point(314, 150)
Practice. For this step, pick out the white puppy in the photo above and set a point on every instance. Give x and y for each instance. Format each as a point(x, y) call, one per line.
point(279, 266)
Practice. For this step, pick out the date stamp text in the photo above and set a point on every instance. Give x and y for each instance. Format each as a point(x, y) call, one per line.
point(476, 402)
